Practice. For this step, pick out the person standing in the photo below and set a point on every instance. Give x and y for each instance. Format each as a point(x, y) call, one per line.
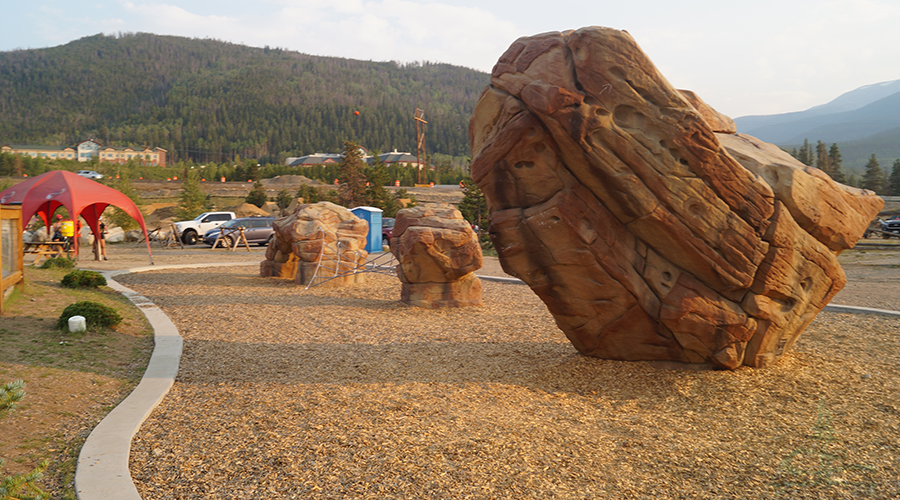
point(102, 239)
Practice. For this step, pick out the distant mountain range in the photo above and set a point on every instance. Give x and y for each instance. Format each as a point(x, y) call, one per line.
point(861, 122)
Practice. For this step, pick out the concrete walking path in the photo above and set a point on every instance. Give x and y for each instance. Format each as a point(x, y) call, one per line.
point(102, 472)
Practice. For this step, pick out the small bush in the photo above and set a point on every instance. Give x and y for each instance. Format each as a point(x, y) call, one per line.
point(257, 196)
point(83, 279)
point(58, 263)
point(24, 486)
point(19, 486)
point(10, 394)
point(95, 315)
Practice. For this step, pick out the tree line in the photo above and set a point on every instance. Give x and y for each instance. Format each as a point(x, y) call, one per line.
point(828, 160)
point(443, 170)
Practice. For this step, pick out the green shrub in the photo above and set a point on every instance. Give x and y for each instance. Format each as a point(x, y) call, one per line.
point(10, 394)
point(83, 279)
point(58, 263)
point(24, 486)
point(19, 486)
point(257, 196)
point(95, 315)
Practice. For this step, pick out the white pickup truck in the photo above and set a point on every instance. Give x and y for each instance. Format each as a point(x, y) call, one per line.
point(192, 230)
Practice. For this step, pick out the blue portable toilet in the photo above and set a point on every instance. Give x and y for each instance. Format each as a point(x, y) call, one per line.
point(371, 215)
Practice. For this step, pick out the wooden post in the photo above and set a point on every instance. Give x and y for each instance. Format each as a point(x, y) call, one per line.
point(12, 261)
point(420, 141)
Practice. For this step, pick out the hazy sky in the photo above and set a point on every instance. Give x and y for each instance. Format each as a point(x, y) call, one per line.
point(743, 58)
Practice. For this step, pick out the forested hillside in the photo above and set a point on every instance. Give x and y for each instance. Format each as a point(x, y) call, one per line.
point(208, 100)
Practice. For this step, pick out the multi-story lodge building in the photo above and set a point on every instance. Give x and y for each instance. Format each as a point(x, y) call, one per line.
point(86, 150)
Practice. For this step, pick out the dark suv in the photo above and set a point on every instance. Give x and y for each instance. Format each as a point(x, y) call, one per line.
point(256, 229)
point(891, 226)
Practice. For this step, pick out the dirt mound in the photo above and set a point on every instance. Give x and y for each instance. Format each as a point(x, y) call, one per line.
point(271, 207)
point(156, 212)
point(289, 180)
point(248, 210)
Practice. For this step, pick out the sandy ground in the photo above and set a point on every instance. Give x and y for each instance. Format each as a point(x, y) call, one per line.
point(347, 393)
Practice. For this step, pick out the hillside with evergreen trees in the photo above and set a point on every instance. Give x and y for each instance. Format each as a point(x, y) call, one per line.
point(207, 100)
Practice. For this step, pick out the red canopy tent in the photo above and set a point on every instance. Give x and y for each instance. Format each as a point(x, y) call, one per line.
point(43, 194)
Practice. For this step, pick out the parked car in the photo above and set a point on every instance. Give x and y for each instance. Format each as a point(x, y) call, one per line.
point(193, 230)
point(257, 230)
point(387, 230)
point(90, 174)
point(891, 226)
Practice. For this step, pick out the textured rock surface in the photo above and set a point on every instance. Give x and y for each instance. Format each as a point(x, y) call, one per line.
point(438, 254)
point(649, 236)
point(312, 231)
point(833, 213)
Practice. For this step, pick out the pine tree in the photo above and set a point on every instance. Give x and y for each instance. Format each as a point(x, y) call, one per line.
point(10, 395)
point(352, 192)
point(474, 209)
point(308, 194)
point(822, 160)
point(283, 200)
point(18, 166)
point(118, 216)
point(192, 202)
point(805, 155)
point(19, 485)
point(873, 179)
point(376, 195)
point(834, 158)
point(403, 194)
point(252, 170)
point(473, 205)
point(257, 196)
point(893, 188)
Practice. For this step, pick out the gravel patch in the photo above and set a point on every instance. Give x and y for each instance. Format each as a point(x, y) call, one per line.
point(872, 279)
point(347, 393)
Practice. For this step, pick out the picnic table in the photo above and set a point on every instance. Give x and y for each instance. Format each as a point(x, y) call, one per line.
point(47, 249)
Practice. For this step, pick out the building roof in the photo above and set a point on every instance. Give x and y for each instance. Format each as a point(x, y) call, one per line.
point(314, 159)
point(398, 157)
point(127, 148)
point(72, 148)
point(37, 148)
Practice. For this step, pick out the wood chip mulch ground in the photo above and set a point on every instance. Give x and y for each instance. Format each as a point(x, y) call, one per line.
point(347, 393)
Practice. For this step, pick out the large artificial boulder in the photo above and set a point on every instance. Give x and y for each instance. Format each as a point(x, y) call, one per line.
point(437, 254)
point(36, 236)
point(115, 235)
point(86, 236)
point(649, 229)
point(322, 239)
